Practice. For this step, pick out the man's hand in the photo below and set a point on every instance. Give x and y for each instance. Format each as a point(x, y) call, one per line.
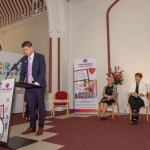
point(141, 94)
point(109, 97)
point(36, 83)
point(134, 94)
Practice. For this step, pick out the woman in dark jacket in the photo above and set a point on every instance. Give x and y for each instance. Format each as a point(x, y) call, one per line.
point(109, 97)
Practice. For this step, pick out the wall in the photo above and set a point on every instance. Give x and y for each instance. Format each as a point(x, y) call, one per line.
point(129, 38)
point(87, 36)
point(64, 51)
point(34, 30)
point(130, 42)
point(58, 28)
point(86, 25)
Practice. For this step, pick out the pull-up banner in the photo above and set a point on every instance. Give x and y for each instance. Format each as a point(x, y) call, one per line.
point(6, 98)
point(85, 85)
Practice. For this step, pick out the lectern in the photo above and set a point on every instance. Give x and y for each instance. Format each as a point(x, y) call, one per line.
point(6, 104)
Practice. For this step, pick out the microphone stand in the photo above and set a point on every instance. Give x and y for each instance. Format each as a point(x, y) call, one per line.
point(12, 68)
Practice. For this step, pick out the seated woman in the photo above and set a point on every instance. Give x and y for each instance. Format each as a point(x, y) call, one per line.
point(137, 97)
point(109, 97)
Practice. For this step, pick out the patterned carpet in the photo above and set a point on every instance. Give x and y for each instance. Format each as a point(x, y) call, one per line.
point(86, 132)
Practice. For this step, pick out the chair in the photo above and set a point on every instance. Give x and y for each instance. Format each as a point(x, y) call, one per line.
point(146, 108)
point(49, 104)
point(112, 106)
point(61, 99)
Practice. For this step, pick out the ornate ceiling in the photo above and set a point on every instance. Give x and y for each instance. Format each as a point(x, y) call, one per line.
point(12, 11)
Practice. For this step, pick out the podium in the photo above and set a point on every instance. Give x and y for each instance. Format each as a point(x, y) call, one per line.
point(7, 98)
point(26, 85)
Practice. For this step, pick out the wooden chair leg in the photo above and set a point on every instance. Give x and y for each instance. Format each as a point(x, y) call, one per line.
point(54, 111)
point(118, 110)
point(147, 114)
point(130, 113)
point(24, 111)
point(67, 109)
point(113, 116)
point(98, 110)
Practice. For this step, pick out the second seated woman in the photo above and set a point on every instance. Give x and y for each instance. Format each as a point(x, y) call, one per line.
point(109, 97)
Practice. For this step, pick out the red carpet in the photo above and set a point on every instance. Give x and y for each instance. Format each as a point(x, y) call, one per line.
point(93, 134)
point(90, 133)
point(3, 148)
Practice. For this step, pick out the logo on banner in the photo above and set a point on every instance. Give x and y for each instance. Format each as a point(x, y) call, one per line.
point(84, 60)
point(7, 87)
point(85, 63)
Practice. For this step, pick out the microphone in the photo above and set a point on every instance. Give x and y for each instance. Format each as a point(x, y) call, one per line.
point(15, 66)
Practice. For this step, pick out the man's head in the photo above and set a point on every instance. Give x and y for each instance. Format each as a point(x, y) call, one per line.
point(138, 77)
point(27, 48)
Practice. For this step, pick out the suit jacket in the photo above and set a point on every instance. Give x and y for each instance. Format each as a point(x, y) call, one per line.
point(38, 69)
point(142, 89)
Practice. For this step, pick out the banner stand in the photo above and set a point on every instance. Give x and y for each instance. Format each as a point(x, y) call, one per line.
point(85, 86)
point(6, 104)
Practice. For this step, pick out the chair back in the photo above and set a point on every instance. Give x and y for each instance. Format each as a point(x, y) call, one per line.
point(61, 95)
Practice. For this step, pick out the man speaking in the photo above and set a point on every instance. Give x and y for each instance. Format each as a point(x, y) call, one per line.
point(33, 71)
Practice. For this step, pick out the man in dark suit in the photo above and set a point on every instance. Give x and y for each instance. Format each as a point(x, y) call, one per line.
point(33, 71)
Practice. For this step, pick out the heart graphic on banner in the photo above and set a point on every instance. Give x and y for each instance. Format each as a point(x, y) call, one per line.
point(91, 70)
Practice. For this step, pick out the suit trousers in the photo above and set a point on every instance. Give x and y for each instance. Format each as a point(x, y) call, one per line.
point(135, 103)
point(35, 98)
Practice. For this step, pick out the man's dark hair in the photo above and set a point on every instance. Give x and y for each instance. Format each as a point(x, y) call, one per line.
point(26, 43)
point(139, 74)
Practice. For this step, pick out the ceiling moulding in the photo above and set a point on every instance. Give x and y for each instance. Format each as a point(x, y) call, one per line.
point(22, 18)
point(22, 22)
point(13, 11)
